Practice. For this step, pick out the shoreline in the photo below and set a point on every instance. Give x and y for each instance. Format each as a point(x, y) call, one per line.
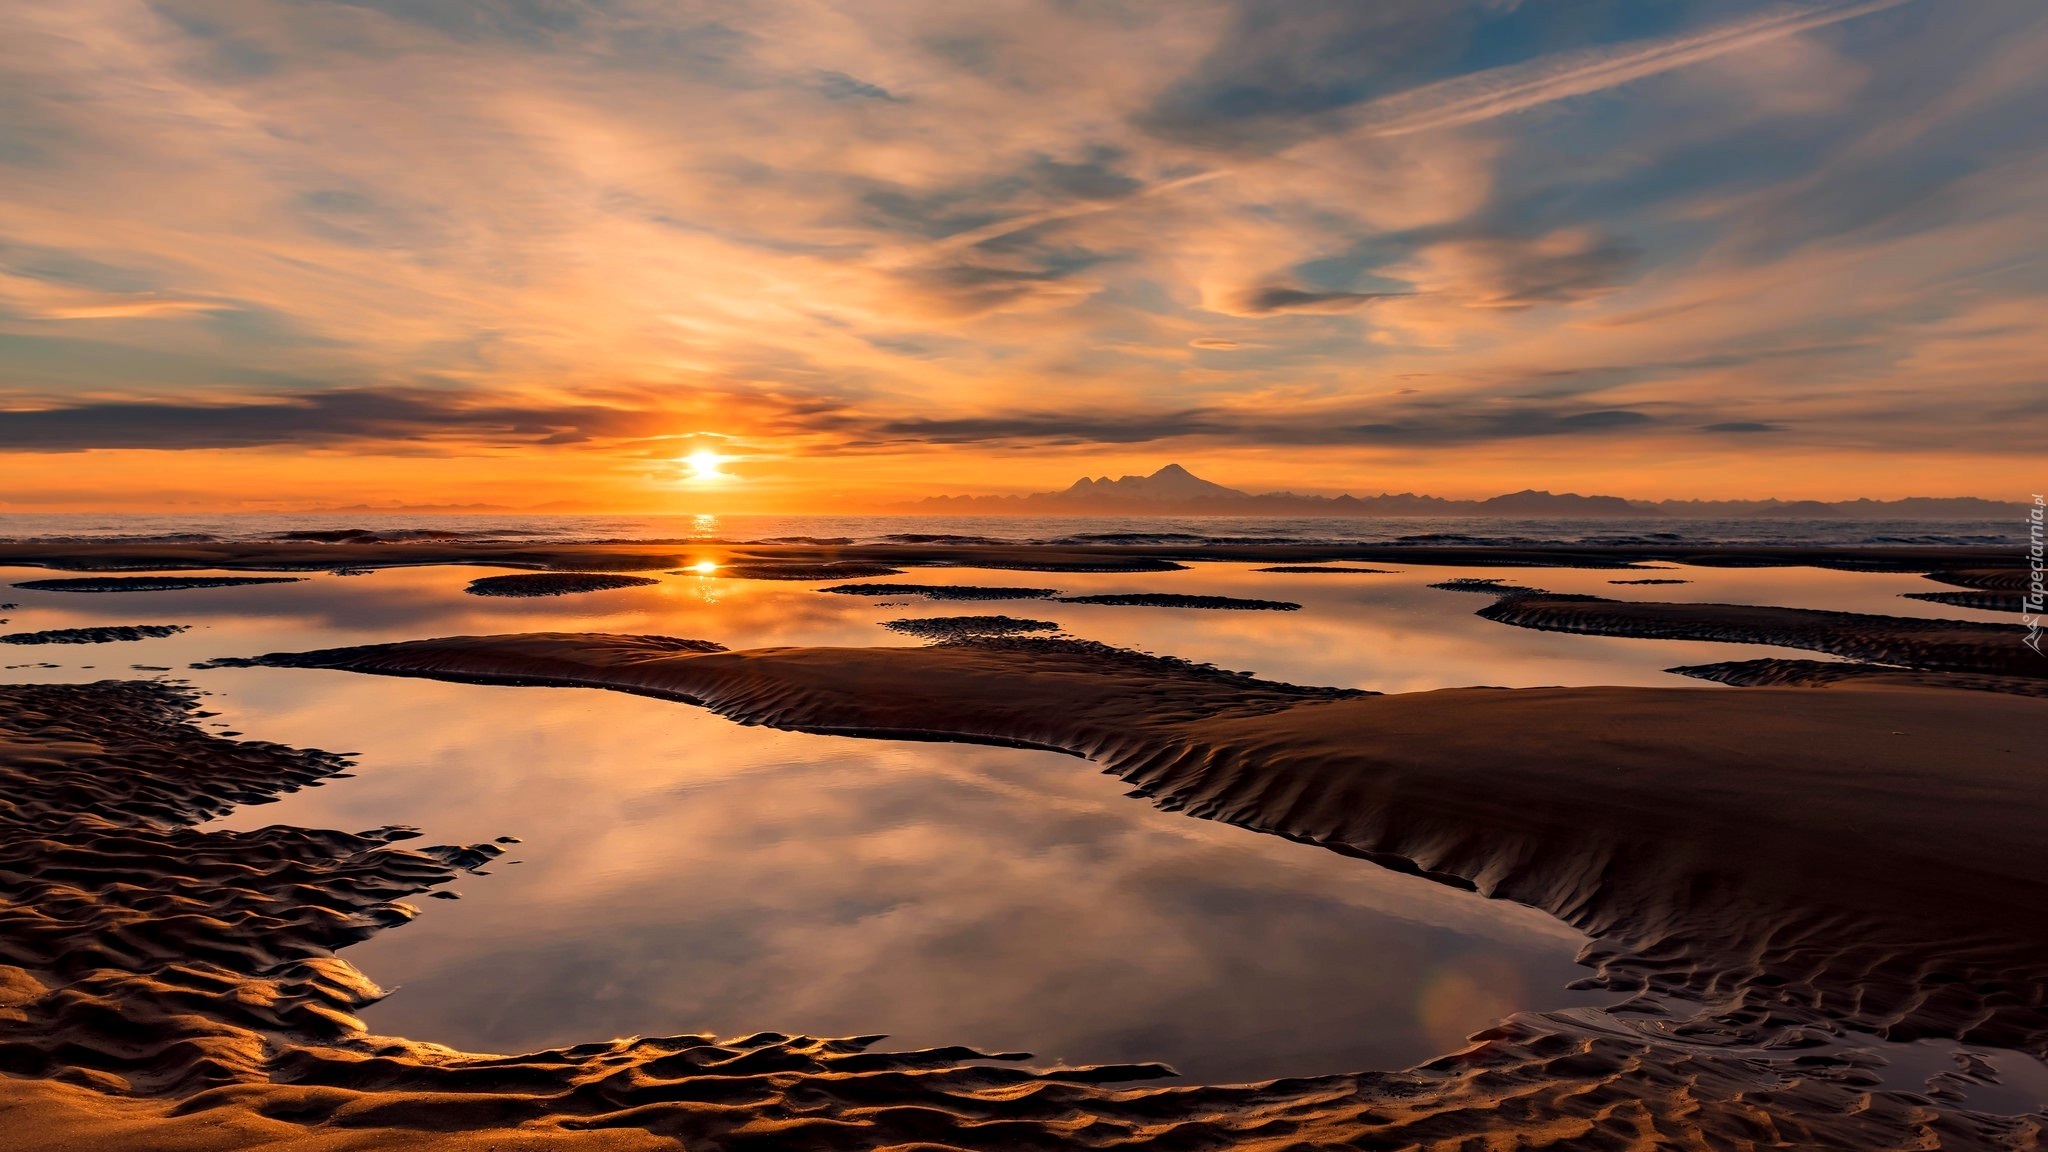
point(1747, 930)
point(1767, 874)
point(1976, 562)
point(1488, 786)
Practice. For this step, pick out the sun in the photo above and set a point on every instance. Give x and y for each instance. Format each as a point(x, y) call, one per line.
point(703, 465)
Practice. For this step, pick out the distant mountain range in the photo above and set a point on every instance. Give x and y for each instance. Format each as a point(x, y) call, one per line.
point(1175, 491)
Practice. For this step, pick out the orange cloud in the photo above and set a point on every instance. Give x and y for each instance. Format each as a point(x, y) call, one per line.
point(984, 245)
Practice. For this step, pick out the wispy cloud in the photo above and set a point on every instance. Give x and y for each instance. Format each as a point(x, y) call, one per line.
point(1280, 298)
point(908, 228)
point(1519, 87)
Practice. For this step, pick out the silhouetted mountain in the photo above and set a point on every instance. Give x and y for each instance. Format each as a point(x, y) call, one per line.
point(1171, 483)
point(1531, 503)
point(1175, 491)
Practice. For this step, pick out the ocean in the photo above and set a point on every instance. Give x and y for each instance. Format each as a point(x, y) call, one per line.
point(1179, 530)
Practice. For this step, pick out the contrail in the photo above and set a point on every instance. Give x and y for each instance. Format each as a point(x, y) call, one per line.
point(1515, 87)
point(1486, 95)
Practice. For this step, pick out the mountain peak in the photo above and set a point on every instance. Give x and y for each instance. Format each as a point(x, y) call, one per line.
point(1173, 490)
point(1170, 484)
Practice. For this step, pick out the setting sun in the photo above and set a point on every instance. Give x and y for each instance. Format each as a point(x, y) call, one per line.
point(703, 465)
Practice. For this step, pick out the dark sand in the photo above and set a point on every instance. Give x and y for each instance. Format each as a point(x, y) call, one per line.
point(1171, 600)
point(944, 628)
point(1940, 645)
point(1983, 601)
point(1822, 673)
point(943, 591)
point(554, 583)
point(2011, 577)
point(150, 583)
point(1650, 580)
point(98, 635)
point(1928, 645)
point(1494, 586)
point(1325, 570)
point(797, 570)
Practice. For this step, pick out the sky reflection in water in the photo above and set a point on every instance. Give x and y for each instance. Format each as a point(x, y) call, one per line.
point(679, 873)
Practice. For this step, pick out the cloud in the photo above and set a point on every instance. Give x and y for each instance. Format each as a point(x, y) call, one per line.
point(907, 227)
point(840, 86)
point(1337, 427)
point(130, 309)
point(361, 417)
point(1277, 71)
point(1280, 298)
point(1483, 268)
point(1739, 426)
point(1517, 88)
point(410, 420)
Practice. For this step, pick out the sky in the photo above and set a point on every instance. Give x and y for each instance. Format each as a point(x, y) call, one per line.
point(279, 254)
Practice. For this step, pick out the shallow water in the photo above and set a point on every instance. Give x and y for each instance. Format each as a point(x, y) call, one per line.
point(1388, 633)
point(679, 873)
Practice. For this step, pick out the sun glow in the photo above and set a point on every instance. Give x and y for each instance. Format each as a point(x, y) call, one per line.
point(704, 567)
point(703, 465)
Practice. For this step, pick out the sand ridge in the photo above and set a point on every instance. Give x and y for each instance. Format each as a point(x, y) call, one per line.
point(1933, 645)
point(1822, 673)
point(1982, 601)
point(940, 629)
point(96, 634)
point(104, 584)
point(1325, 570)
point(1178, 600)
point(942, 591)
point(554, 583)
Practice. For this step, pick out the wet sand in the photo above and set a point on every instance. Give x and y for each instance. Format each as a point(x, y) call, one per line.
point(1934, 645)
point(149, 583)
point(1760, 871)
point(944, 628)
point(1175, 600)
point(1822, 673)
point(1985, 601)
point(554, 583)
point(942, 591)
point(1323, 570)
point(1759, 868)
point(103, 634)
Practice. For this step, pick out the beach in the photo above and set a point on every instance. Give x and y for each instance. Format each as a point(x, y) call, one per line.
point(1802, 862)
point(1218, 576)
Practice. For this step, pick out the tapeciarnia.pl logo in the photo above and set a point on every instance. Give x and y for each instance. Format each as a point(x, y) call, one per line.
point(2030, 612)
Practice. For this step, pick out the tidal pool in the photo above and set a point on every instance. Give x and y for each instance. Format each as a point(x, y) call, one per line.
point(679, 873)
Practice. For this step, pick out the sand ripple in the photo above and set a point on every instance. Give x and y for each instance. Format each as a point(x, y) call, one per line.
point(1761, 870)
